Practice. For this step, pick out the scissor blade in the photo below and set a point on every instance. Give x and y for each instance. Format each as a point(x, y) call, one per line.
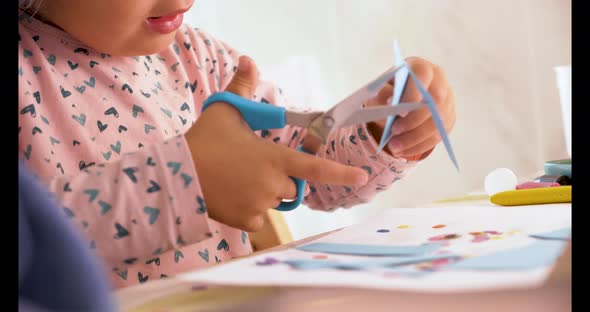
point(354, 102)
point(380, 112)
point(301, 119)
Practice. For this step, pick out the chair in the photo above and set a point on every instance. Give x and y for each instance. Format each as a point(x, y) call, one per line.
point(274, 232)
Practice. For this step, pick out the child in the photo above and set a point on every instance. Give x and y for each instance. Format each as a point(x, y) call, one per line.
point(110, 96)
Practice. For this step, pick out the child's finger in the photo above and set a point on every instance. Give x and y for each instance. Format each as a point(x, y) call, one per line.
point(439, 87)
point(410, 139)
point(252, 224)
point(450, 116)
point(411, 121)
point(421, 147)
point(312, 168)
point(417, 118)
point(245, 80)
point(425, 73)
point(287, 189)
point(384, 95)
point(439, 91)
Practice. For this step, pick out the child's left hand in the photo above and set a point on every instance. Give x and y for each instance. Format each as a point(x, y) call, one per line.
point(416, 135)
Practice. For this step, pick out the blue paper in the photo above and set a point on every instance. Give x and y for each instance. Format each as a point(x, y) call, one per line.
point(562, 234)
point(401, 79)
point(387, 134)
point(535, 255)
point(312, 264)
point(436, 116)
point(369, 250)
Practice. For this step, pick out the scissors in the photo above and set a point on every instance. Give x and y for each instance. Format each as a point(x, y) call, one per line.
point(350, 111)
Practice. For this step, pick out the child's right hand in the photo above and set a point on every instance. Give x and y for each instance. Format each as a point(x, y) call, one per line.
point(243, 175)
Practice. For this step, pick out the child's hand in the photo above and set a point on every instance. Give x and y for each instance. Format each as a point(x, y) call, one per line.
point(415, 135)
point(243, 175)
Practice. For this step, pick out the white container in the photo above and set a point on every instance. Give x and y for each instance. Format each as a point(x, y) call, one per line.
point(564, 84)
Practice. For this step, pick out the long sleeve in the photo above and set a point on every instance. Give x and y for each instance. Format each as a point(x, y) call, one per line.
point(147, 200)
point(126, 208)
point(351, 145)
point(105, 134)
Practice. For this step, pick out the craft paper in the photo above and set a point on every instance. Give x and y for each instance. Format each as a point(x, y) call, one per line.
point(532, 256)
point(379, 263)
point(401, 79)
point(473, 232)
point(562, 234)
point(369, 250)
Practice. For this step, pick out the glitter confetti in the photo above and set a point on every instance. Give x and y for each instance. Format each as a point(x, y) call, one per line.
point(268, 261)
point(383, 231)
point(403, 226)
point(436, 264)
point(479, 237)
point(438, 226)
point(444, 237)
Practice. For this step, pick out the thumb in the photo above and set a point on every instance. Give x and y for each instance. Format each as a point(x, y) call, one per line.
point(245, 80)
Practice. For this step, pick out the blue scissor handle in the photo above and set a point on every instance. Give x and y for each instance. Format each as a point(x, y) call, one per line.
point(261, 116)
point(288, 206)
point(300, 185)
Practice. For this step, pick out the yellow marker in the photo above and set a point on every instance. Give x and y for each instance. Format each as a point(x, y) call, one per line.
point(545, 195)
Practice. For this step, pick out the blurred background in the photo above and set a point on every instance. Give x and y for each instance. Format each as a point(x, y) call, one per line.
point(499, 56)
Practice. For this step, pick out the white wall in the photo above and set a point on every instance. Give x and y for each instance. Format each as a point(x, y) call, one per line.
point(498, 55)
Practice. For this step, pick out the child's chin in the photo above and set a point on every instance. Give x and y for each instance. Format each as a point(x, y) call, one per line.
point(145, 47)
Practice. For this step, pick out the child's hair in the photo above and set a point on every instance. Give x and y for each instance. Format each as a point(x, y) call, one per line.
point(26, 4)
point(30, 6)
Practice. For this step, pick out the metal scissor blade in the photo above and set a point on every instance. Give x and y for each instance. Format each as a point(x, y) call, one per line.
point(380, 112)
point(354, 102)
point(376, 84)
point(300, 119)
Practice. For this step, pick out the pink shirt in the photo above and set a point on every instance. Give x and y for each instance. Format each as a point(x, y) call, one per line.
point(106, 135)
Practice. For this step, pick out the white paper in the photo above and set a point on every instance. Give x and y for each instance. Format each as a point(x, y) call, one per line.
point(515, 224)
